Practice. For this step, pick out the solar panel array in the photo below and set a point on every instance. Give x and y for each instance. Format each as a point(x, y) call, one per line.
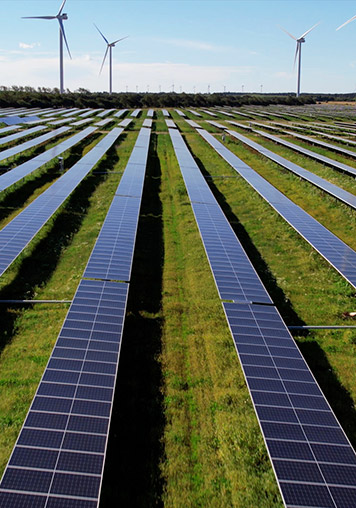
point(147, 123)
point(150, 113)
point(112, 257)
point(216, 124)
point(21, 134)
point(311, 456)
point(165, 113)
point(180, 113)
point(318, 142)
point(309, 153)
point(170, 123)
point(91, 112)
point(125, 122)
point(334, 250)
point(135, 113)
point(61, 121)
point(10, 152)
point(79, 123)
point(106, 112)
point(59, 456)
point(10, 128)
point(19, 232)
point(120, 113)
point(321, 183)
point(31, 165)
point(192, 123)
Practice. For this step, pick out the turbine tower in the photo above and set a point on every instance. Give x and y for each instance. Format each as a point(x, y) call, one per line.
point(61, 16)
point(298, 51)
point(109, 46)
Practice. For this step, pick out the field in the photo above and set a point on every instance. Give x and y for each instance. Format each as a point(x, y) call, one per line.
point(184, 432)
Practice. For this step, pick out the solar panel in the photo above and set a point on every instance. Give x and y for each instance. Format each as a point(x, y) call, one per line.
point(79, 123)
point(234, 275)
point(21, 134)
point(170, 123)
point(210, 113)
point(180, 113)
point(106, 112)
point(10, 128)
point(165, 113)
point(136, 113)
point(334, 250)
point(19, 232)
point(104, 122)
point(120, 113)
point(124, 123)
point(318, 142)
point(321, 183)
point(31, 165)
point(10, 152)
point(311, 455)
point(59, 456)
point(321, 158)
point(150, 113)
point(216, 124)
point(61, 121)
point(192, 123)
point(147, 123)
point(195, 113)
point(112, 255)
point(225, 113)
point(91, 112)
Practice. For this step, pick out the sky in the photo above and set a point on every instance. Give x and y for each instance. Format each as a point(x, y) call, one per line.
point(186, 45)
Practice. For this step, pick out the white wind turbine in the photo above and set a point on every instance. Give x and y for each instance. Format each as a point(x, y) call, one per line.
point(109, 46)
point(298, 51)
point(60, 17)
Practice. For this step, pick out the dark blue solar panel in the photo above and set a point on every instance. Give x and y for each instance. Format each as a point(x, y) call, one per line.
point(20, 231)
point(334, 190)
point(60, 450)
point(112, 255)
point(334, 250)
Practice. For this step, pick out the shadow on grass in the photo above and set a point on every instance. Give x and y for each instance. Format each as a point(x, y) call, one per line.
point(37, 268)
point(20, 192)
point(132, 469)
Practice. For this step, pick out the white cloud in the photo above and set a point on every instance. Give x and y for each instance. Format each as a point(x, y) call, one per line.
point(23, 45)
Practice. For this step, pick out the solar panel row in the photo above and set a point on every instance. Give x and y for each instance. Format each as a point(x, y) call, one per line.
point(31, 165)
point(330, 188)
point(111, 258)
point(120, 113)
point(312, 458)
point(334, 250)
point(59, 456)
point(21, 230)
point(10, 152)
point(21, 134)
point(309, 153)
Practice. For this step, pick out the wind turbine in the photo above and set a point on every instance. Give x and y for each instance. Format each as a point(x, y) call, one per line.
point(60, 17)
point(109, 46)
point(298, 51)
point(346, 22)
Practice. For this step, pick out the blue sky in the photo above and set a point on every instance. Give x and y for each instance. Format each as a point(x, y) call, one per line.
point(189, 43)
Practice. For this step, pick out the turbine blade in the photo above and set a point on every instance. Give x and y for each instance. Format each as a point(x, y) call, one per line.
point(61, 8)
point(296, 54)
point(102, 65)
point(346, 22)
point(310, 29)
point(122, 38)
point(103, 36)
point(64, 35)
point(38, 17)
point(290, 35)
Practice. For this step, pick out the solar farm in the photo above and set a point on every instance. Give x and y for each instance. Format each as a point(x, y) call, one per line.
point(177, 301)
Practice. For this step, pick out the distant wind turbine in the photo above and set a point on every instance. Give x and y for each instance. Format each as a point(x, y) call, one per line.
point(60, 17)
point(346, 22)
point(298, 51)
point(109, 46)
